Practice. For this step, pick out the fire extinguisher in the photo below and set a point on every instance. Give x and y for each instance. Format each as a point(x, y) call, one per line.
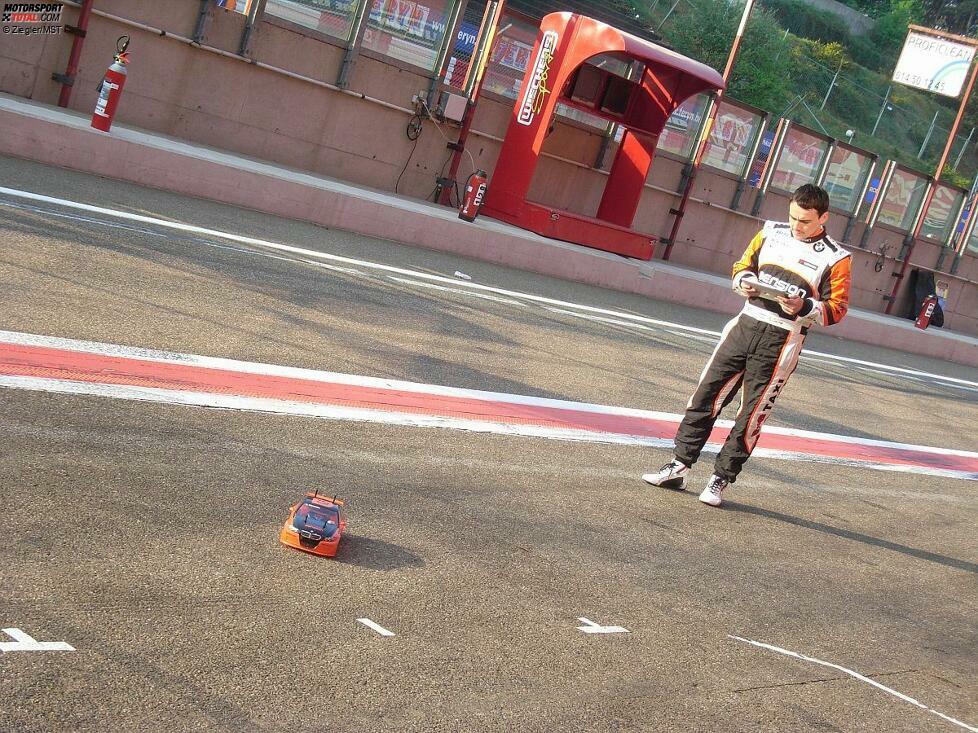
point(926, 312)
point(110, 89)
point(475, 192)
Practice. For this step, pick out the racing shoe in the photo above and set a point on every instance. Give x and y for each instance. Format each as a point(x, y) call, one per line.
point(713, 493)
point(670, 476)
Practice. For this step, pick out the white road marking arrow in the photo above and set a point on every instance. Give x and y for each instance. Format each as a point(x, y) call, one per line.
point(593, 628)
point(375, 626)
point(27, 643)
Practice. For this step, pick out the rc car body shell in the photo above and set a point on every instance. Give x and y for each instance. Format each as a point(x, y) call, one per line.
point(315, 525)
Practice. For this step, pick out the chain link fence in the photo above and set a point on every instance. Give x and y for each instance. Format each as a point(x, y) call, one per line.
point(897, 122)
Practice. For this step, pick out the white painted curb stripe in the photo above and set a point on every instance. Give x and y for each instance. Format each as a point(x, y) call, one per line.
point(334, 412)
point(208, 362)
point(856, 675)
point(434, 278)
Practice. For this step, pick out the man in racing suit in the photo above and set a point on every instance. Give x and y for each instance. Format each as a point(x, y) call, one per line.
point(794, 276)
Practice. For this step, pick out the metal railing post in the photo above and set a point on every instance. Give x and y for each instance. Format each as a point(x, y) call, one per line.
point(742, 182)
point(447, 44)
point(784, 125)
point(202, 14)
point(254, 13)
point(889, 168)
point(356, 40)
point(851, 220)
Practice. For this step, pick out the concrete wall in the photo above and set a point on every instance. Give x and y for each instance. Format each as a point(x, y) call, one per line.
point(196, 94)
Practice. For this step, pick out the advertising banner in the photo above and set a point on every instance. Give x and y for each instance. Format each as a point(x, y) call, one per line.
point(933, 63)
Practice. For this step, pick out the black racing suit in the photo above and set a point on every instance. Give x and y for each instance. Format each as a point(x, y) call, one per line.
point(759, 348)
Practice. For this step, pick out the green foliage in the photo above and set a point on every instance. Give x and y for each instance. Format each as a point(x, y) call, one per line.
point(956, 16)
point(891, 28)
point(761, 75)
point(872, 8)
point(865, 53)
point(763, 72)
point(705, 35)
point(793, 75)
point(808, 22)
point(834, 54)
point(954, 178)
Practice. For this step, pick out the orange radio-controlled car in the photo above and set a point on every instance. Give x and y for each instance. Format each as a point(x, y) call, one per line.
point(314, 525)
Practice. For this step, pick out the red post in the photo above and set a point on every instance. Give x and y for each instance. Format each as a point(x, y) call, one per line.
point(628, 174)
point(478, 69)
point(68, 80)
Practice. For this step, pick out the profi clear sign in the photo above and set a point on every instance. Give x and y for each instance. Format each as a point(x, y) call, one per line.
point(933, 63)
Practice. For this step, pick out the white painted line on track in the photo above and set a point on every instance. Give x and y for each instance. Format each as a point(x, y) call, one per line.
point(856, 675)
point(433, 286)
point(308, 253)
point(591, 627)
point(632, 324)
point(334, 268)
point(890, 369)
point(375, 626)
point(23, 642)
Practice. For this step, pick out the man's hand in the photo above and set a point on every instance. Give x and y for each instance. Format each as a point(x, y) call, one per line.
point(791, 306)
point(748, 290)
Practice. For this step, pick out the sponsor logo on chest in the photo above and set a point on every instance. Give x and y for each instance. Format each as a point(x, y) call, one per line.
point(789, 289)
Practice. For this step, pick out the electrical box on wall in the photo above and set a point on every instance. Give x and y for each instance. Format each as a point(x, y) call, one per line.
point(454, 106)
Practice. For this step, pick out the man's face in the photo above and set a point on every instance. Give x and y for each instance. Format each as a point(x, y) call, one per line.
point(805, 223)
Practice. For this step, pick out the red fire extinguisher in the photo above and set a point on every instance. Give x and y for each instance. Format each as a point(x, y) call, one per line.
point(926, 312)
point(110, 89)
point(475, 192)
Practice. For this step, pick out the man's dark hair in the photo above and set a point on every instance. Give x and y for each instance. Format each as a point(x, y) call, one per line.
point(811, 196)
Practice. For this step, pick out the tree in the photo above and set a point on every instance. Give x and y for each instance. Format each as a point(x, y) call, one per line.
point(955, 16)
point(891, 28)
point(872, 8)
point(761, 76)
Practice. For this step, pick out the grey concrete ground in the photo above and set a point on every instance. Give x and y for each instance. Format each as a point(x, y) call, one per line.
point(146, 535)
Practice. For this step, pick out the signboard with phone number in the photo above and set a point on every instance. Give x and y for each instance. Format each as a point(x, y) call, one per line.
point(933, 63)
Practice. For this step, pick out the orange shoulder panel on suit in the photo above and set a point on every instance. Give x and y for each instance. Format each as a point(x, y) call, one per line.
point(836, 295)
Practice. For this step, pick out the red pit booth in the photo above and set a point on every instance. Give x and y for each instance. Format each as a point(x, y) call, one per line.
point(661, 81)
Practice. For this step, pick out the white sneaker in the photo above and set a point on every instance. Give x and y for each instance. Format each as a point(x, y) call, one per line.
point(670, 476)
point(713, 493)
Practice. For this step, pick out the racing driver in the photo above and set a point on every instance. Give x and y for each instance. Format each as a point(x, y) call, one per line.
point(794, 276)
